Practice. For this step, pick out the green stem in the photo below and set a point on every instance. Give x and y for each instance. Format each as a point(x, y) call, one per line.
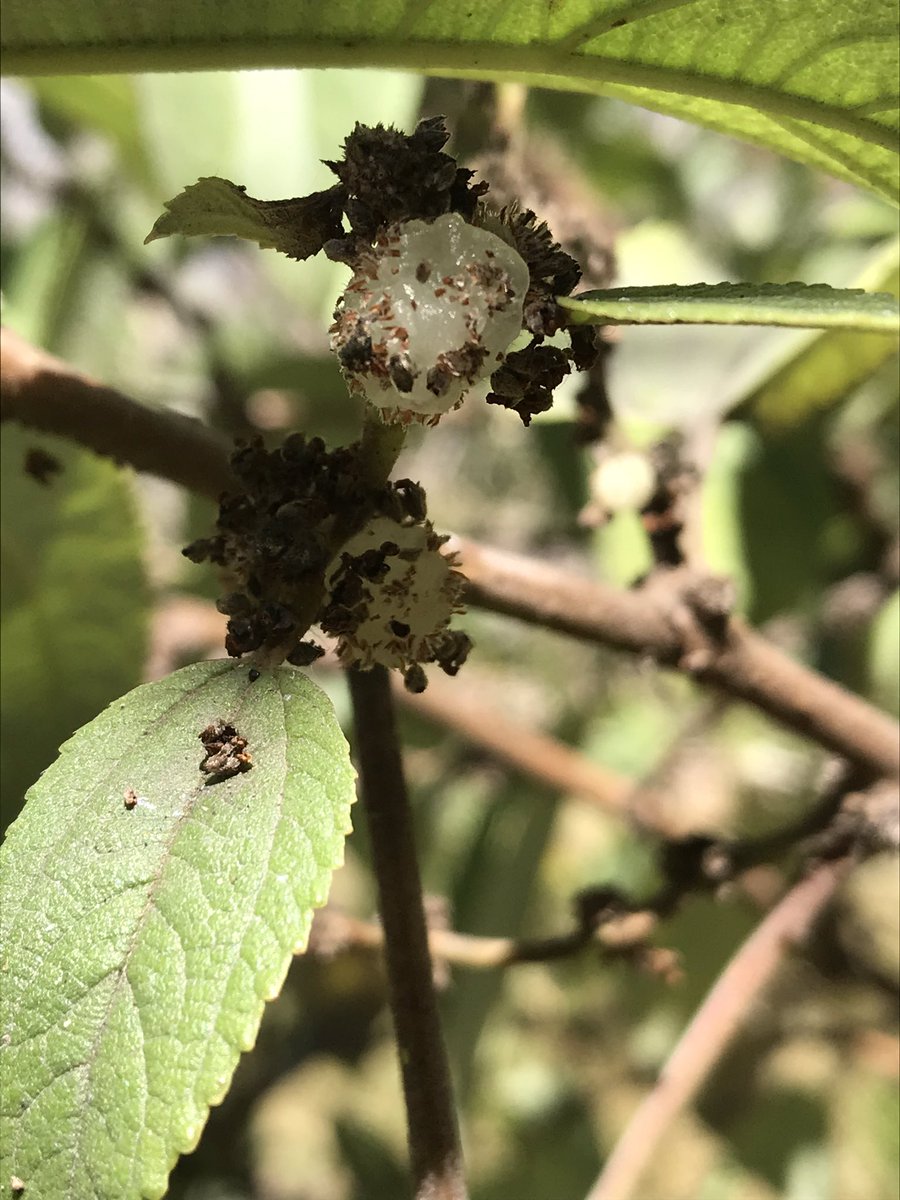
point(379, 447)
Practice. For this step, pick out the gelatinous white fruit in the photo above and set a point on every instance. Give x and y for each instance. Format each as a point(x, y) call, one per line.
point(431, 310)
point(401, 613)
point(624, 480)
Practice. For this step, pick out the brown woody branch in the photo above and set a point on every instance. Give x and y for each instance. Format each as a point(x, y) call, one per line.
point(658, 623)
point(713, 1027)
point(454, 705)
point(43, 393)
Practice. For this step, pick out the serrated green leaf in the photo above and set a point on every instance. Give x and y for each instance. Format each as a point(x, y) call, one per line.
point(817, 369)
point(215, 207)
point(140, 944)
point(74, 601)
point(793, 305)
point(814, 79)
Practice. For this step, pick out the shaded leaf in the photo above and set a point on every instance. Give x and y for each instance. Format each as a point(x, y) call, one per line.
point(106, 103)
point(214, 207)
point(147, 914)
point(803, 305)
point(74, 601)
point(765, 506)
point(817, 82)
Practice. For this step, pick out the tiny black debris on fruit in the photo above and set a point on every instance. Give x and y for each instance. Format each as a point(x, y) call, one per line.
point(226, 752)
point(41, 466)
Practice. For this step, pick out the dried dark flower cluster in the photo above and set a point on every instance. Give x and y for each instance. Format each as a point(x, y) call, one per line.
point(273, 537)
point(430, 310)
point(385, 578)
point(526, 380)
point(389, 177)
point(275, 543)
point(552, 272)
point(663, 515)
point(388, 596)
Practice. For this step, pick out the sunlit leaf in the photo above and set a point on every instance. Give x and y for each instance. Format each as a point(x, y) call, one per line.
point(148, 912)
point(215, 207)
point(786, 304)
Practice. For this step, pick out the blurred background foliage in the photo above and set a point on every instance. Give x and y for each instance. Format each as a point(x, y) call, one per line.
point(795, 437)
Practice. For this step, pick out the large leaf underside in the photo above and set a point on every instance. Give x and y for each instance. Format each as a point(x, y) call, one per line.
point(148, 911)
point(814, 79)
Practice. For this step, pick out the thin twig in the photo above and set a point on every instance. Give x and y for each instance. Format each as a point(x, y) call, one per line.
point(623, 933)
point(435, 1153)
point(44, 393)
point(742, 663)
point(714, 1025)
point(453, 704)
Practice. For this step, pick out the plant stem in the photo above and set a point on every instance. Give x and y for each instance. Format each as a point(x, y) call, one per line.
point(380, 445)
point(435, 1154)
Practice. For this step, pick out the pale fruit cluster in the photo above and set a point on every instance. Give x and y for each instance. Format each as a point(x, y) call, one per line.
point(402, 616)
point(430, 310)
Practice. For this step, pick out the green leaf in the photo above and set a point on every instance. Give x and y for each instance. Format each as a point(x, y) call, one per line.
point(804, 305)
point(214, 207)
point(816, 81)
point(73, 618)
point(106, 103)
point(141, 943)
point(815, 370)
point(42, 287)
point(765, 506)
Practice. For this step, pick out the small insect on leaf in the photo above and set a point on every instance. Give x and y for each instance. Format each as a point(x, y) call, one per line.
point(131, 798)
point(226, 752)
